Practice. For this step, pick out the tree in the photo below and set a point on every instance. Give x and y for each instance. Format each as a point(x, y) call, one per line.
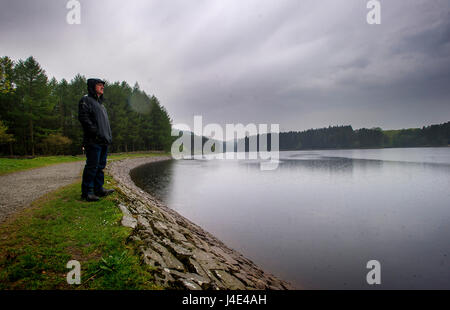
point(6, 75)
point(34, 101)
point(4, 136)
point(117, 95)
point(55, 144)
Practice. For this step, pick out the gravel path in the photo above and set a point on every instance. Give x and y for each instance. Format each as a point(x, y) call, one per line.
point(19, 189)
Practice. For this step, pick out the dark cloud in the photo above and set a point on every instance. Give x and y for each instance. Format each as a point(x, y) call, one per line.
point(301, 64)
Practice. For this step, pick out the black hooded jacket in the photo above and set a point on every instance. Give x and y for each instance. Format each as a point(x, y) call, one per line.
point(93, 117)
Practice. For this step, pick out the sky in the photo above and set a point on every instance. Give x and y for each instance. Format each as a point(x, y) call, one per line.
point(297, 63)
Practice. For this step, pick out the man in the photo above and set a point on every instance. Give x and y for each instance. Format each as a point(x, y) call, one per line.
point(96, 138)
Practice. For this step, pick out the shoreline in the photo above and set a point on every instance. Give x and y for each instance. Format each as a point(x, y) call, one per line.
point(183, 254)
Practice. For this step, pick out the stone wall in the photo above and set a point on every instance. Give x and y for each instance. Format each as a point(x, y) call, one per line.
point(183, 254)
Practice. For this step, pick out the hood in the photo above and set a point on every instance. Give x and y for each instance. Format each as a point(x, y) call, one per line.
point(91, 87)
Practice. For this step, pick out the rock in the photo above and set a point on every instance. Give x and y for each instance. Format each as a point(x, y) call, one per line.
point(197, 268)
point(165, 278)
point(243, 278)
point(198, 242)
point(146, 234)
point(124, 209)
point(177, 249)
point(127, 219)
point(159, 228)
point(153, 258)
point(142, 209)
point(229, 281)
point(207, 260)
point(170, 260)
point(226, 257)
point(217, 284)
point(135, 238)
point(177, 236)
point(258, 283)
point(173, 262)
point(190, 285)
point(143, 222)
point(192, 277)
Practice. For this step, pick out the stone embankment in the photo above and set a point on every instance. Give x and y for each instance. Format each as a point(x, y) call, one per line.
point(182, 253)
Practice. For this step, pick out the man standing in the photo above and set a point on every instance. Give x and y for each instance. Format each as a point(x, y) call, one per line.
point(96, 138)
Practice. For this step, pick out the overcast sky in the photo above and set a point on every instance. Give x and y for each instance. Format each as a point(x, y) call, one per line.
point(299, 63)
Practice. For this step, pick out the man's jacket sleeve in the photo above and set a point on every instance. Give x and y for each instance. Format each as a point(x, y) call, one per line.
point(83, 117)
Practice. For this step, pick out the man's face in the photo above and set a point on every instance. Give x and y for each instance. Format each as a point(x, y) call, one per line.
point(99, 87)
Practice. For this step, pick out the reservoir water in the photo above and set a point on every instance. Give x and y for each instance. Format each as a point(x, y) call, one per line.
point(320, 216)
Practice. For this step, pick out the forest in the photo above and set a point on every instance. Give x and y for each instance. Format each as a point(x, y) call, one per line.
point(344, 137)
point(341, 137)
point(39, 115)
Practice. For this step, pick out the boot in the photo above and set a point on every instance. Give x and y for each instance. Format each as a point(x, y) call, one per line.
point(104, 192)
point(90, 197)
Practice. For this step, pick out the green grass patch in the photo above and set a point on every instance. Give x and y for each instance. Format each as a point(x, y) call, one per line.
point(9, 165)
point(37, 243)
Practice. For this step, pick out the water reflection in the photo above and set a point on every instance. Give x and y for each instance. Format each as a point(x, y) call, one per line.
point(155, 178)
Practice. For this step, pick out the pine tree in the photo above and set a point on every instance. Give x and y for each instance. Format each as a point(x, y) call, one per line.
point(34, 99)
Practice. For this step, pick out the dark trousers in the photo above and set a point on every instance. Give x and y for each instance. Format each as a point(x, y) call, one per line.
point(93, 177)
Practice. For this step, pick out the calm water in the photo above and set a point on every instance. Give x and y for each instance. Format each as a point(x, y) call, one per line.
point(322, 215)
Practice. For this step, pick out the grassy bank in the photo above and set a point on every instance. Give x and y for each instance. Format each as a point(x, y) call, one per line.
point(8, 165)
point(37, 243)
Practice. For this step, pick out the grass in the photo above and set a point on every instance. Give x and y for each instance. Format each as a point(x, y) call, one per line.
point(9, 165)
point(37, 243)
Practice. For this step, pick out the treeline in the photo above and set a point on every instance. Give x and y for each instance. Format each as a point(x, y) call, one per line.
point(337, 137)
point(39, 115)
point(343, 137)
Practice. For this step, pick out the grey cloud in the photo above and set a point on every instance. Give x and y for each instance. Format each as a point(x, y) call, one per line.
point(302, 63)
